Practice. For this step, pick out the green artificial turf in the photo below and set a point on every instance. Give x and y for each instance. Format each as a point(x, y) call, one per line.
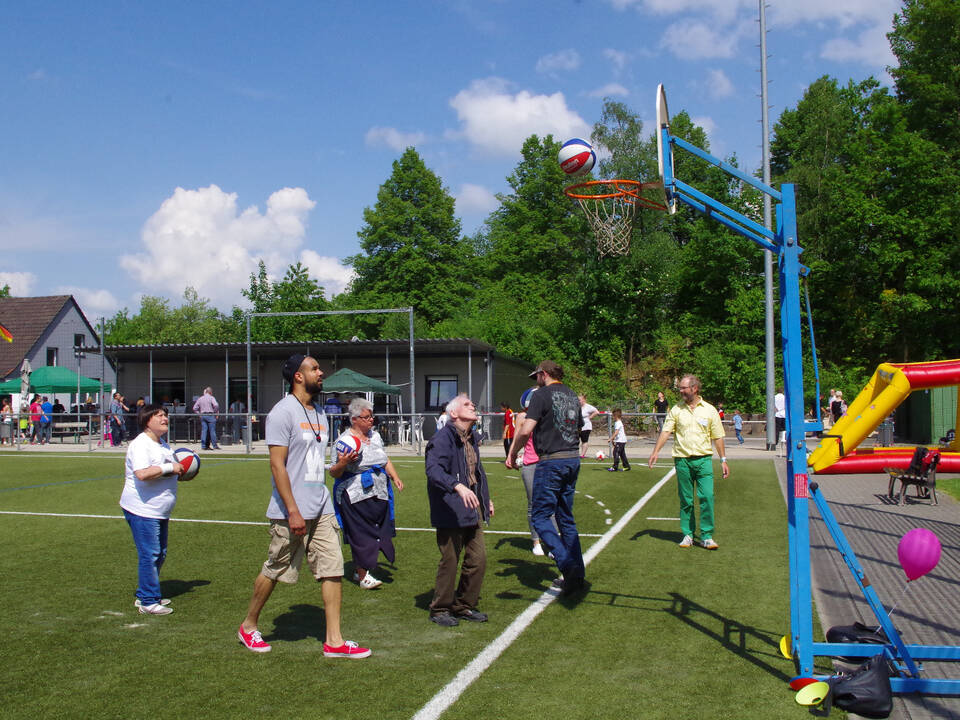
point(662, 633)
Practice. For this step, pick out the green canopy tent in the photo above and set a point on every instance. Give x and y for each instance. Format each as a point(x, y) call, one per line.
point(350, 381)
point(347, 380)
point(54, 379)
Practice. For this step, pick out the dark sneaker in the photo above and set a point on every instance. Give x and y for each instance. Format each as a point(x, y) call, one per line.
point(573, 585)
point(472, 616)
point(444, 619)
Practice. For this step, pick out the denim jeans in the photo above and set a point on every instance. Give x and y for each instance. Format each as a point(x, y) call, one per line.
point(150, 538)
point(554, 484)
point(208, 431)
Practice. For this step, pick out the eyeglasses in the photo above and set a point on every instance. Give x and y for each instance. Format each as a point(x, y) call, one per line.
point(365, 417)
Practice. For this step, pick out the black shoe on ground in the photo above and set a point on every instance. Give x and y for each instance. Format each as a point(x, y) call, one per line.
point(472, 616)
point(572, 586)
point(444, 619)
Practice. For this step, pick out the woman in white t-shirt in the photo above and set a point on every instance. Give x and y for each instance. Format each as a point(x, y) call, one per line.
point(149, 494)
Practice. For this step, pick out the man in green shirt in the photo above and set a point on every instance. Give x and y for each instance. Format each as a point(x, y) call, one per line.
point(697, 425)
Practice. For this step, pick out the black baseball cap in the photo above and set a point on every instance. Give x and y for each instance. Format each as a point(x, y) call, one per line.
point(292, 366)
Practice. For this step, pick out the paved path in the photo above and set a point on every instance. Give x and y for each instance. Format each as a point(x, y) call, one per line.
point(928, 612)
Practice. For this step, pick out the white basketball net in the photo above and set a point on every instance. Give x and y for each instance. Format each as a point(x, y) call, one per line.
point(612, 222)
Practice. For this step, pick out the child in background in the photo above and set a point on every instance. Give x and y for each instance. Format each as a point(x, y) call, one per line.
point(738, 425)
point(619, 441)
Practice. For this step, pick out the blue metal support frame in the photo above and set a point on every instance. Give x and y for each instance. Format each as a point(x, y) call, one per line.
point(800, 491)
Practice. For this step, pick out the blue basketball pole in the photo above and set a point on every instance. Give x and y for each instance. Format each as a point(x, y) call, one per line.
point(783, 242)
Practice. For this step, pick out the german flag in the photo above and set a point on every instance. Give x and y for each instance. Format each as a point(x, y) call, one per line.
point(5, 334)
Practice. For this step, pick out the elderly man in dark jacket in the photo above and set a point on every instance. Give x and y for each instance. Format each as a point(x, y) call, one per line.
point(459, 505)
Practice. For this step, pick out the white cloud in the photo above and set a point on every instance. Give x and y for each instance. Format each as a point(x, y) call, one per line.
point(723, 10)
point(565, 60)
point(328, 271)
point(498, 121)
point(476, 199)
point(617, 58)
point(38, 75)
point(199, 238)
point(871, 47)
point(837, 14)
point(393, 138)
point(718, 84)
point(21, 283)
point(608, 90)
point(708, 124)
point(94, 303)
point(698, 40)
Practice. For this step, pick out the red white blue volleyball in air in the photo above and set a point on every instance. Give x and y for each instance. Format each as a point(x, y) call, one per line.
point(576, 157)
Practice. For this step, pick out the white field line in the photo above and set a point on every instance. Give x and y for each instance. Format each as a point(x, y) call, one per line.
point(243, 522)
point(454, 689)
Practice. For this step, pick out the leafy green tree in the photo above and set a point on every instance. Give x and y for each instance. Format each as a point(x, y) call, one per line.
point(413, 254)
point(926, 41)
point(5, 291)
point(879, 235)
point(157, 322)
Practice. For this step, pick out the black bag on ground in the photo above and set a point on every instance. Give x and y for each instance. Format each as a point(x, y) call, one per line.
point(865, 690)
point(857, 633)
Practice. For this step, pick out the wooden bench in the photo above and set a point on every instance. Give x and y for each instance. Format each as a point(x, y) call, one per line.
point(65, 429)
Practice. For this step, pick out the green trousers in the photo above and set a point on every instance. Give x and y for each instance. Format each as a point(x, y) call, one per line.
point(695, 471)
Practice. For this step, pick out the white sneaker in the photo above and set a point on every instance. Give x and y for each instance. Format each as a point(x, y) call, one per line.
point(369, 582)
point(686, 542)
point(155, 609)
point(710, 544)
point(538, 549)
point(163, 601)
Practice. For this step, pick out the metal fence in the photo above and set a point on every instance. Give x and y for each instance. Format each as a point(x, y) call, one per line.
point(244, 429)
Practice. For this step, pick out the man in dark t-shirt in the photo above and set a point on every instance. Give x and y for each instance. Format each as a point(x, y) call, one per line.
point(554, 418)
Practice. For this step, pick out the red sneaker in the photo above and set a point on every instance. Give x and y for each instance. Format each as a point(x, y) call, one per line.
point(253, 641)
point(349, 649)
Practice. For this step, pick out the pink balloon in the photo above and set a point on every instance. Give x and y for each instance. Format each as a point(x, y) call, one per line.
point(919, 552)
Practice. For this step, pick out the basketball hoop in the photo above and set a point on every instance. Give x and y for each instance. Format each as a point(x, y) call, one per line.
point(610, 207)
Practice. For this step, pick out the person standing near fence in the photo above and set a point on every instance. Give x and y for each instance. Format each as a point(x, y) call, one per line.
point(618, 439)
point(46, 420)
point(738, 426)
point(208, 408)
point(660, 406)
point(507, 426)
point(116, 419)
point(589, 412)
point(697, 425)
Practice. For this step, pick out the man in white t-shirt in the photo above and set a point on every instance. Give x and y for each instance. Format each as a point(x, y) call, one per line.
point(589, 412)
point(302, 520)
point(780, 412)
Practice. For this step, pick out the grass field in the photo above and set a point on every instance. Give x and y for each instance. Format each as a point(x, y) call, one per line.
point(662, 633)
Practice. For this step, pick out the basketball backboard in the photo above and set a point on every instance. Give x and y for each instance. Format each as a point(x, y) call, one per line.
point(664, 151)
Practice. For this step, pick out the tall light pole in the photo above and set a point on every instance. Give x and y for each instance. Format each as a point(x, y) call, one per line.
point(767, 222)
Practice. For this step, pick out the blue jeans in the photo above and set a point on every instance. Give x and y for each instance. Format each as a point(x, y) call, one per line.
point(150, 538)
point(554, 484)
point(739, 435)
point(208, 431)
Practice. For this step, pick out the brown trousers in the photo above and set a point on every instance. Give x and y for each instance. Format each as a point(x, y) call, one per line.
point(452, 542)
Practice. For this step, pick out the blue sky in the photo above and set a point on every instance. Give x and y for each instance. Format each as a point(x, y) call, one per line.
point(153, 146)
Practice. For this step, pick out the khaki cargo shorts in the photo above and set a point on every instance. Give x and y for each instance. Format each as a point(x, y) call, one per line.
point(320, 544)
